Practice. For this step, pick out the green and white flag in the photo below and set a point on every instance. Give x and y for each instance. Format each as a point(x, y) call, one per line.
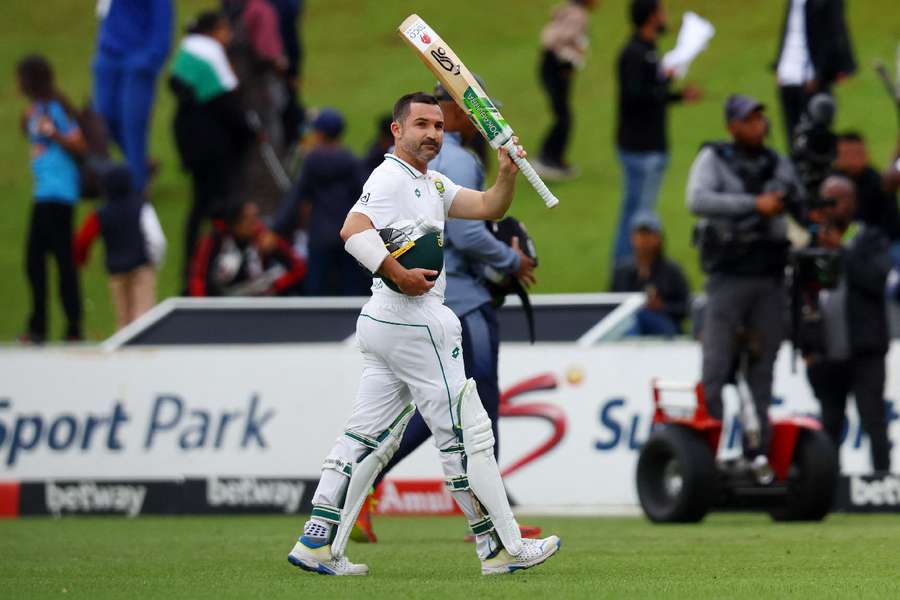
point(201, 64)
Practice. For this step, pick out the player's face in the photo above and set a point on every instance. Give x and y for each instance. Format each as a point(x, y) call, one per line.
point(751, 130)
point(422, 132)
point(852, 157)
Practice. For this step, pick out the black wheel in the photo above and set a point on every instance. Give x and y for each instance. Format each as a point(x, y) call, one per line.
point(676, 476)
point(812, 479)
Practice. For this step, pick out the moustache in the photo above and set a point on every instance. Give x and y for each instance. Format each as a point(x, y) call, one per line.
point(429, 143)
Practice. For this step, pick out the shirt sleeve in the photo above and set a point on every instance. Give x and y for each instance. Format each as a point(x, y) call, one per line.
point(449, 193)
point(63, 122)
point(377, 202)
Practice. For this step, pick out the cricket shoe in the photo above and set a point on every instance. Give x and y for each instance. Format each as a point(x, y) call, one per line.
point(362, 531)
point(534, 552)
point(318, 559)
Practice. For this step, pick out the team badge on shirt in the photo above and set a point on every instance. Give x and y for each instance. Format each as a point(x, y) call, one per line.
point(439, 185)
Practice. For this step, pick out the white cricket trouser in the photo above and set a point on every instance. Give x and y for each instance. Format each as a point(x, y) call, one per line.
point(412, 352)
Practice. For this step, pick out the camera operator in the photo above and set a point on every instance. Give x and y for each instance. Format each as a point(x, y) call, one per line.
point(739, 188)
point(854, 320)
point(876, 204)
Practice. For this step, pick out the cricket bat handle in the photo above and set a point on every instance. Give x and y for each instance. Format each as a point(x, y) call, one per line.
point(531, 175)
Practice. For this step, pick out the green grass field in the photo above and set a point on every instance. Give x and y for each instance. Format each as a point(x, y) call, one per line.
point(728, 556)
point(355, 62)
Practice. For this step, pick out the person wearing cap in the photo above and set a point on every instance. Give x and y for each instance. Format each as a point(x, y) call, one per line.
point(737, 188)
point(645, 93)
point(329, 184)
point(661, 279)
point(469, 247)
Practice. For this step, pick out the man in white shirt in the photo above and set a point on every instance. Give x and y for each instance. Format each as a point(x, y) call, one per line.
point(814, 54)
point(412, 353)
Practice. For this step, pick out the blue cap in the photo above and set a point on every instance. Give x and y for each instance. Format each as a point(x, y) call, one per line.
point(646, 220)
point(329, 122)
point(738, 107)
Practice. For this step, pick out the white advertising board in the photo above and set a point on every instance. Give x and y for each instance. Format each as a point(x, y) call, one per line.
point(274, 411)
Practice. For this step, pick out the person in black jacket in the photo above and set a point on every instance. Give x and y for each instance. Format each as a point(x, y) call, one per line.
point(662, 280)
point(856, 330)
point(211, 129)
point(876, 205)
point(644, 95)
point(814, 53)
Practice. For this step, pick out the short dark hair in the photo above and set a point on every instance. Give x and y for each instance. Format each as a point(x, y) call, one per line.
point(852, 137)
point(641, 10)
point(207, 22)
point(36, 77)
point(401, 107)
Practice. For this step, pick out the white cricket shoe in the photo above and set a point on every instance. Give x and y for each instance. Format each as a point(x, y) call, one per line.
point(319, 560)
point(534, 552)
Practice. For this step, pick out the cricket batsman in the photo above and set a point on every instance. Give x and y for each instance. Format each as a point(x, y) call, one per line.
point(412, 355)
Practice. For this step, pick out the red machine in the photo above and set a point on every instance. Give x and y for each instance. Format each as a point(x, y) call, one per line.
point(679, 479)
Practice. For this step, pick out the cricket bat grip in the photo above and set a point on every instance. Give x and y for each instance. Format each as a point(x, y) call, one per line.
point(531, 175)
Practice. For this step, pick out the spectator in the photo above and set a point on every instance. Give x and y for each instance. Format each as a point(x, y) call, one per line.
point(242, 258)
point(56, 142)
point(329, 185)
point(737, 188)
point(644, 95)
point(876, 206)
point(290, 13)
point(662, 280)
point(855, 328)
point(564, 41)
point(382, 144)
point(211, 131)
point(134, 241)
point(133, 44)
point(814, 53)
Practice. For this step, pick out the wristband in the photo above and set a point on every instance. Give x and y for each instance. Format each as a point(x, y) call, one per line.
point(367, 248)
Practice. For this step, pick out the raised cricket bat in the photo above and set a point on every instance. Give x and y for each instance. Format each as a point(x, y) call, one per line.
point(462, 87)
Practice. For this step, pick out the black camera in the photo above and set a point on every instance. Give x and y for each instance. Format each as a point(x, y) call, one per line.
point(811, 271)
point(814, 146)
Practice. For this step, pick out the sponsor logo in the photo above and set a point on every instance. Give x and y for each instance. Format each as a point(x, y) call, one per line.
point(440, 55)
point(875, 491)
point(248, 492)
point(418, 193)
point(364, 199)
point(455, 353)
point(428, 497)
point(172, 421)
point(426, 39)
point(417, 28)
point(483, 113)
point(94, 498)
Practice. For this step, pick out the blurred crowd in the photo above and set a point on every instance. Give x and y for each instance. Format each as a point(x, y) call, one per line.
point(272, 181)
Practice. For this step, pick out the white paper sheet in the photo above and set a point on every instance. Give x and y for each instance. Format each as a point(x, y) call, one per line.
point(693, 38)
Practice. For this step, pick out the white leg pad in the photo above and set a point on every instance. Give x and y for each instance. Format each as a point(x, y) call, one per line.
point(363, 476)
point(481, 467)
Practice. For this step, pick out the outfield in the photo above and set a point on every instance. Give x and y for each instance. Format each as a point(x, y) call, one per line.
point(728, 556)
point(354, 61)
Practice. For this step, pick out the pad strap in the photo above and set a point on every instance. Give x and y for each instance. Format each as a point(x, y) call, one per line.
point(329, 514)
point(481, 526)
point(336, 463)
point(457, 484)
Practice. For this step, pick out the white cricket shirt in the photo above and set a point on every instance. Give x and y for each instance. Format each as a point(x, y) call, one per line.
point(795, 66)
point(397, 191)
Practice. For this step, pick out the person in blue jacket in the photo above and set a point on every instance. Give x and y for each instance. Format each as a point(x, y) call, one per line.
point(133, 43)
point(55, 142)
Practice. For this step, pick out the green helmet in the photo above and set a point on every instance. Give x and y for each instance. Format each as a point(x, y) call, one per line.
point(425, 252)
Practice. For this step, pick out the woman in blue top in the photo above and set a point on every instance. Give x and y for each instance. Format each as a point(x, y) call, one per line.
point(55, 141)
